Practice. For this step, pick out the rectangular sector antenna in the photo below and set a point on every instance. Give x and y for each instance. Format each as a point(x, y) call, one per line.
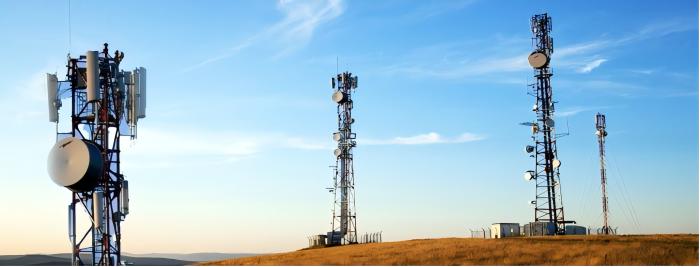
point(142, 93)
point(52, 87)
point(93, 76)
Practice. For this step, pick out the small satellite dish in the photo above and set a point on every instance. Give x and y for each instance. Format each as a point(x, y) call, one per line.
point(556, 163)
point(538, 60)
point(339, 97)
point(75, 164)
point(529, 175)
point(603, 132)
point(534, 107)
point(337, 137)
point(549, 123)
point(337, 152)
point(533, 202)
point(529, 149)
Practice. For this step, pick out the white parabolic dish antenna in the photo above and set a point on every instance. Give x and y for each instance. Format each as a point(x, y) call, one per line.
point(529, 175)
point(75, 164)
point(339, 97)
point(538, 60)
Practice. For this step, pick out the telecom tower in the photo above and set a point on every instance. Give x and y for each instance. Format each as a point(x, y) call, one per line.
point(344, 226)
point(602, 133)
point(106, 103)
point(548, 200)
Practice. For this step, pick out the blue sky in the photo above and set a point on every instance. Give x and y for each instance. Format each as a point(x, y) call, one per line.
point(233, 154)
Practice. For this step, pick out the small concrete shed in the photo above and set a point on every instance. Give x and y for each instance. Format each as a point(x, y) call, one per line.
point(502, 230)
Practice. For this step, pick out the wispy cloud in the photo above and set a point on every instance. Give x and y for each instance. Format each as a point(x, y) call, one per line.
point(295, 30)
point(424, 139)
point(434, 8)
point(643, 71)
point(229, 146)
point(571, 111)
point(591, 65)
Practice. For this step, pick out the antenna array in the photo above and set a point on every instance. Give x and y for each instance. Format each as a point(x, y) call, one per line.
point(601, 133)
point(106, 104)
point(548, 200)
point(343, 225)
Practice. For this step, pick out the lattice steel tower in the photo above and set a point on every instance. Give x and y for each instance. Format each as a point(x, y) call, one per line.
point(344, 224)
point(548, 200)
point(602, 134)
point(106, 103)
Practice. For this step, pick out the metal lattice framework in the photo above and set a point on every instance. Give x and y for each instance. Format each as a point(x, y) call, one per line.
point(102, 121)
point(601, 133)
point(548, 200)
point(344, 222)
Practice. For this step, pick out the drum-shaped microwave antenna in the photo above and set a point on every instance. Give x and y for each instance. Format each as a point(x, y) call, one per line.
point(337, 137)
point(337, 152)
point(75, 164)
point(529, 175)
point(556, 163)
point(601, 132)
point(340, 97)
point(538, 59)
point(549, 123)
point(529, 149)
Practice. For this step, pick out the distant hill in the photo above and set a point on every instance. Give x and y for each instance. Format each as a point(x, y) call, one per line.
point(195, 257)
point(551, 250)
point(64, 260)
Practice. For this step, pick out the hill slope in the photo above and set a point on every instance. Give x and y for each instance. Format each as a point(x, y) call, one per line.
point(64, 260)
point(559, 250)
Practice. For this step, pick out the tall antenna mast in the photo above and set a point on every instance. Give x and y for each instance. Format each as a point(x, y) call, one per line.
point(344, 224)
point(548, 200)
point(602, 133)
point(106, 102)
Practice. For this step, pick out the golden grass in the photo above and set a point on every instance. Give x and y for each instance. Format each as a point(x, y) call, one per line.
point(552, 250)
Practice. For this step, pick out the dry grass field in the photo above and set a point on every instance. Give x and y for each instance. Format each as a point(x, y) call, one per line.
point(559, 250)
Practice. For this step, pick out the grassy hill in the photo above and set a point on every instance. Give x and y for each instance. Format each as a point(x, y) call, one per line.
point(553, 250)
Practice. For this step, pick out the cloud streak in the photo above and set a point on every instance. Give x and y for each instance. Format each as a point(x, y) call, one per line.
point(424, 139)
point(568, 112)
point(567, 57)
point(591, 65)
point(225, 147)
point(295, 30)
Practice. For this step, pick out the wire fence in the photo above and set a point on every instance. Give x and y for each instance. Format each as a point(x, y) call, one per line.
point(370, 238)
point(316, 241)
point(483, 233)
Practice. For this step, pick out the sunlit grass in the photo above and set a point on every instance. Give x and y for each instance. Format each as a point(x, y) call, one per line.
point(560, 250)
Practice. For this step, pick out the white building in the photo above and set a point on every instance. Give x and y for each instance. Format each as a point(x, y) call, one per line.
point(501, 230)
